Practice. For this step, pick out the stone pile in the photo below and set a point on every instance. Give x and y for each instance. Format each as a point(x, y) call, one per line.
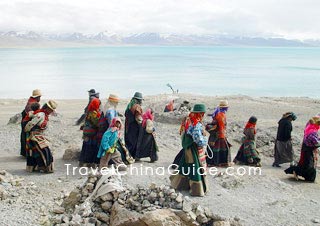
point(153, 206)
point(9, 185)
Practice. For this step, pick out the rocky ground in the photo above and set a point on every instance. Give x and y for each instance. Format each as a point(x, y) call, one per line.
point(272, 198)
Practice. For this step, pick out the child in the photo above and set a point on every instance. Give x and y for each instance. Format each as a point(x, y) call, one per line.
point(108, 148)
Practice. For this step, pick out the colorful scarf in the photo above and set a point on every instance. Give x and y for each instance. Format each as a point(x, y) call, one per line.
point(94, 106)
point(113, 125)
point(147, 115)
point(132, 102)
point(218, 110)
point(311, 128)
point(193, 119)
point(29, 103)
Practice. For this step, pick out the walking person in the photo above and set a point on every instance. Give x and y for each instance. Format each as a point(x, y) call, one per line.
point(283, 151)
point(89, 151)
point(248, 153)
point(307, 166)
point(34, 98)
point(39, 155)
point(191, 170)
point(218, 143)
point(133, 123)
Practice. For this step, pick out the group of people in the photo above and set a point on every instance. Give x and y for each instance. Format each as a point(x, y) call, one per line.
point(34, 144)
point(102, 142)
point(201, 150)
point(202, 145)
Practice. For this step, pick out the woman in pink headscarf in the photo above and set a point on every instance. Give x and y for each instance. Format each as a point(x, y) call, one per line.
point(108, 149)
point(147, 146)
point(309, 152)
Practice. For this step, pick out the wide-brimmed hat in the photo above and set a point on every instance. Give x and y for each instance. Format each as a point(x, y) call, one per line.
point(290, 114)
point(113, 98)
point(199, 108)
point(92, 92)
point(36, 93)
point(223, 104)
point(186, 102)
point(138, 96)
point(52, 104)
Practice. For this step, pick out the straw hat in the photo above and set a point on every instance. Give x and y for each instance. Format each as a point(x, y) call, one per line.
point(52, 104)
point(113, 98)
point(36, 93)
point(199, 108)
point(315, 120)
point(223, 104)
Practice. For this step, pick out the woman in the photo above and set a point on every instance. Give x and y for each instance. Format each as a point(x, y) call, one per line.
point(182, 130)
point(38, 152)
point(147, 146)
point(219, 147)
point(109, 146)
point(35, 98)
point(309, 152)
point(283, 151)
point(89, 151)
point(169, 107)
point(247, 153)
point(192, 166)
point(133, 122)
point(109, 112)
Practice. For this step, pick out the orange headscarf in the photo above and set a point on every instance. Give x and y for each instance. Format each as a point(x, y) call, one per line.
point(94, 106)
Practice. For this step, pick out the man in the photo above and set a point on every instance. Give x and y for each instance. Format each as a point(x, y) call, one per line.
point(92, 94)
point(34, 98)
point(283, 151)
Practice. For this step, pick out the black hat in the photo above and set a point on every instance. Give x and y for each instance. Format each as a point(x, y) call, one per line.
point(253, 119)
point(186, 102)
point(92, 91)
point(138, 96)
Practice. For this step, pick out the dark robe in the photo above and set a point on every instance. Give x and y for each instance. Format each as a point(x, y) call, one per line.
point(146, 146)
point(307, 164)
point(132, 129)
point(23, 124)
point(283, 151)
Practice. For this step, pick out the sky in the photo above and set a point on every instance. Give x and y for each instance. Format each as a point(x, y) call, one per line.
point(292, 19)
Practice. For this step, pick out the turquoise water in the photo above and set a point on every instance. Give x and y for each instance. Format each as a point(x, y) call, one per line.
point(70, 72)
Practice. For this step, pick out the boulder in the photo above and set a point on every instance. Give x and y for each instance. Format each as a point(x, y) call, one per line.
point(162, 217)
point(120, 216)
point(71, 154)
point(72, 200)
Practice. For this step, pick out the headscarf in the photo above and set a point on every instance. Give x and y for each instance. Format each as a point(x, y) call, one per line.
point(147, 115)
point(193, 119)
point(94, 106)
point(218, 110)
point(251, 125)
point(113, 125)
point(312, 126)
point(133, 101)
point(31, 100)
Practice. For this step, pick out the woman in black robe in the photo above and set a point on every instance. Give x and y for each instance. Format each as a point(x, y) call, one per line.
point(133, 122)
point(147, 146)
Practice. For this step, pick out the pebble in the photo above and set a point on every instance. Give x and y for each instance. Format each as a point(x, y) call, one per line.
point(316, 221)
